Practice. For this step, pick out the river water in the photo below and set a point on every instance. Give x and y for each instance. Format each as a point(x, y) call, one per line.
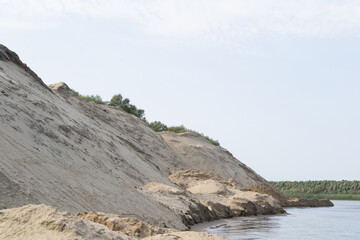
point(339, 222)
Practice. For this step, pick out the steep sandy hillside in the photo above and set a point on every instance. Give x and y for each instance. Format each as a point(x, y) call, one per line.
point(195, 152)
point(74, 155)
point(77, 156)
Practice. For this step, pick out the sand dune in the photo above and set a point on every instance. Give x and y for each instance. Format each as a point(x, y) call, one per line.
point(120, 178)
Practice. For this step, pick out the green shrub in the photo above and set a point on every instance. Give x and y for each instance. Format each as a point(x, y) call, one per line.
point(178, 129)
point(158, 126)
point(118, 101)
point(212, 141)
point(91, 98)
point(75, 92)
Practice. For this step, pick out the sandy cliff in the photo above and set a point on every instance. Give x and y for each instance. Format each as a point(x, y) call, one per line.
point(77, 156)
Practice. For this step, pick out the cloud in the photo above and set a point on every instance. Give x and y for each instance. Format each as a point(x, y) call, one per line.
point(220, 21)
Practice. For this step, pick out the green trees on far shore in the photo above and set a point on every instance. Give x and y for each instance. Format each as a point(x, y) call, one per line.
point(341, 190)
point(124, 103)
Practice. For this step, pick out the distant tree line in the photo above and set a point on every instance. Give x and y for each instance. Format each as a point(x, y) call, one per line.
point(345, 190)
point(124, 103)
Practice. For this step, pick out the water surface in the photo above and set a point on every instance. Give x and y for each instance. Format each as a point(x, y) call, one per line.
point(339, 222)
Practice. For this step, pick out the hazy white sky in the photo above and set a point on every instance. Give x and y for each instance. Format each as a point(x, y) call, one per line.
point(276, 82)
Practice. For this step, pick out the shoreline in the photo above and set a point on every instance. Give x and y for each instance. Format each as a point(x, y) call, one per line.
point(200, 227)
point(319, 223)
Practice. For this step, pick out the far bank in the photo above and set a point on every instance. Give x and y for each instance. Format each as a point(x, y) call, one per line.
point(334, 190)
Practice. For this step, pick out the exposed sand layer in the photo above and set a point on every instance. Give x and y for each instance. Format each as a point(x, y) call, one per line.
point(269, 191)
point(208, 187)
point(42, 222)
point(130, 226)
point(208, 199)
point(196, 152)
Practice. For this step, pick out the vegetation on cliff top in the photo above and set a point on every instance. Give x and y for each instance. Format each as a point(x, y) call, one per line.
point(124, 103)
point(336, 190)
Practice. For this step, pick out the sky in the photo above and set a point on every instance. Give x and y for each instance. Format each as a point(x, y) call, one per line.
point(276, 82)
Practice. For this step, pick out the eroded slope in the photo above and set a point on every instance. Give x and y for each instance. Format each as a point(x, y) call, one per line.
point(77, 156)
